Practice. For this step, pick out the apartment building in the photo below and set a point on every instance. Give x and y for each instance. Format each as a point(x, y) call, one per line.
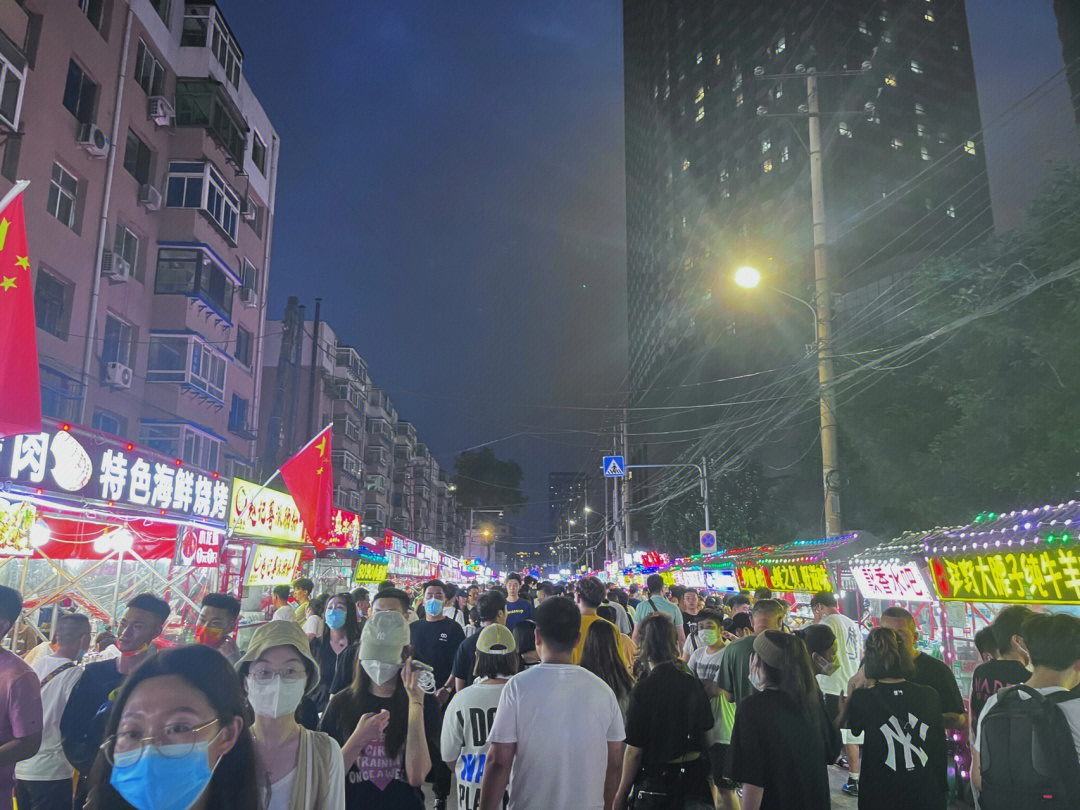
point(149, 213)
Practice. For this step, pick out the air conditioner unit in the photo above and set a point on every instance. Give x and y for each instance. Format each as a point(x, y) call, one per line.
point(249, 296)
point(115, 266)
point(250, 211)
point(93, 140)
point(150, 196)
point(160, 111)
point(118, 375)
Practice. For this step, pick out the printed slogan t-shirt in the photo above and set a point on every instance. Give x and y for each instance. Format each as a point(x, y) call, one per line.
point(377, 781)
point(465, 738)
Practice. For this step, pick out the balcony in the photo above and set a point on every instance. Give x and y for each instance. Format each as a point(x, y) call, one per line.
point(347, 463)
point(376, 483)
point(349, 362)
point(349, 429)
point(189, 361)
point(374, 515)
point(197, 272)
point(377, 457)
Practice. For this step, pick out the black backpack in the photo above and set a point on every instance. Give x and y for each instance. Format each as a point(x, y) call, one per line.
point(1027, 755)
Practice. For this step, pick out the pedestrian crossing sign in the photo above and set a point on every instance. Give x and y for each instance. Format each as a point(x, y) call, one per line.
point(614, 467)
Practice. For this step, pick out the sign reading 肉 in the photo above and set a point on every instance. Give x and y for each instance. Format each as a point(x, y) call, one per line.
point(902, 582)
point(1048, 576)
point(271, 565)
point(785, 577)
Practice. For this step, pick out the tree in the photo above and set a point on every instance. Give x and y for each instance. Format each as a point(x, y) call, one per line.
point(484, 481)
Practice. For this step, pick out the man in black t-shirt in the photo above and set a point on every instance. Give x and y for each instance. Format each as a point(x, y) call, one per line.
point(491, 608)
point(1011, 665)
point(929, 671)
point(435, 640)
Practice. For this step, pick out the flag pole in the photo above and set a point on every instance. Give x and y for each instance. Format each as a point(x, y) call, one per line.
point(277, 472)
point(15, 191)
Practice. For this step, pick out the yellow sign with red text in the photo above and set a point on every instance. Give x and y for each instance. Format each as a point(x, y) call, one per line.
point(271, 565)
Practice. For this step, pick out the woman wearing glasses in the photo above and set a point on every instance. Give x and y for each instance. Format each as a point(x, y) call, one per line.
point(300, 769)
point(176, 739)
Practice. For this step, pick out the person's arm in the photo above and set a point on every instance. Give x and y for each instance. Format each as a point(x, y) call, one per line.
point(451, 737)
point(368, 729)
point(500, 758)
point(976, 770)
point(417, 755)
point(751, 797)
point(631, 764)
point(335, 781)
point(19, 749)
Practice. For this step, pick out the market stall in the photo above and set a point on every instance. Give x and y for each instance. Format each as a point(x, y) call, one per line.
point(89, 520)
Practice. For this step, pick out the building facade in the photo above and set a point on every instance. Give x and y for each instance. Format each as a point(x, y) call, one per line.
point(1068, 20)
point(718, 177)
point(381, 470)
point(149, 213)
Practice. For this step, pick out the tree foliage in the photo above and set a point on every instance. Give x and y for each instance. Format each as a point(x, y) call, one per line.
point(483, 480)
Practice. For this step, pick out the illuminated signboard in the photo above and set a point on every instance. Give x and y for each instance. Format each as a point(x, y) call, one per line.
point(198, 547)
point(785, 577)
point(345, 531)
point(121, 473)
point(271, 565)
point(721, 579)
point(260, 512)
point(370, 572)
point(902, 582)
point(411, 566)
point(1048, 576)
point(16, 520)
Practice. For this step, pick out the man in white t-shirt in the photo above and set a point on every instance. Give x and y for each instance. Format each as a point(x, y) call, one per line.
point(42, 650)
point(558, 732)
point(834, 687)
point(705, 664)
point(43, 782)
point(1053, 642)
point(279, 601)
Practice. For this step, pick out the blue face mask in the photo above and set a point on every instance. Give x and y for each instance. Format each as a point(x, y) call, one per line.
point(335, 619)
point(157, 782)
point(433, 607)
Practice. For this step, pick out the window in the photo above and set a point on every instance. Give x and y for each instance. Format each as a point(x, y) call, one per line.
point(784, 155)
point(915, 66)
point(890, 80)
point(739, 100)
point(51, 304)
point(11, 84)
point(919, 109)
point(779, 91)
point(202, 103)
point(63, 192)
point(226, 52)
point(238, 414)
point(700, 114)
point(844, 130)
point(201, 450)
point(60, 395)
point(920, 130)
point(249, 281)
point(766, 166)
point(863, 29)
point(199, 185)
point(258, 153)
point(80, 94)
point(138, 159)
point(781, 44)
point(737, 83)
point(108, 423)
point(896, 143)
point(117, 343)
point(969, 147)
point(950, 211)
point(126, 246)
point(700, 95)
point(162, 7)
point(699, 57)
point(243, 346)
point(766, 145)
point(149, 72)
point(928, 16)
point(924, 153)
point(685, 164)
point(93, 10)
point(187, 360)
point(188, 271)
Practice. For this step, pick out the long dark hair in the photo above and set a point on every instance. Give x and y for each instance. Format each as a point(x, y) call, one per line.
point(600, 655)
point(234, 785)
point(352, 624)
point(349, 702)
point(659, 642)
point(524, 639)
point(795, 675)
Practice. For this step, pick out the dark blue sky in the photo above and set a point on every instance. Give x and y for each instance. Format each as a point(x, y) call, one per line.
point(451, 184)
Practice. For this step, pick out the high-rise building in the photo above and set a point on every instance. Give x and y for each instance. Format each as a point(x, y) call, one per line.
point(152, 171)
point(560, 492)
point(1068, 18)
point(380, 469)
point(718, 176)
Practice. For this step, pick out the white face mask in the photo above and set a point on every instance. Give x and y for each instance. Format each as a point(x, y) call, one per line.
point(275, 698)
point(380, 671)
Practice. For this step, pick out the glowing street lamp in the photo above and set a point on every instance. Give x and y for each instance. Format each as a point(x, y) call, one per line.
point(747, 277)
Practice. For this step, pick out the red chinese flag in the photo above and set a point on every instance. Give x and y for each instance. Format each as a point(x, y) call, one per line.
point(310, 479)
point(20, 384)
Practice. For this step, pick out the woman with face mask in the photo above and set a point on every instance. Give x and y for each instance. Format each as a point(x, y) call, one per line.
point(176, 739)
point(335, 649)
point(780, 745)
point(387, 726)
point(301, 769)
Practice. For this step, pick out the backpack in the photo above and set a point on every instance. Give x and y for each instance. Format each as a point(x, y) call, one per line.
point(1027, 754)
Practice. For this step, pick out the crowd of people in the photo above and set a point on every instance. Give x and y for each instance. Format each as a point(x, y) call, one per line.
point(529, 696)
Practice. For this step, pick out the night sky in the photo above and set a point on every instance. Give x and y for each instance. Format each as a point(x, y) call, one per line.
point(451, 183)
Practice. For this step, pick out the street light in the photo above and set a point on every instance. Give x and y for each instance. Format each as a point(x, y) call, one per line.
point(747, 277)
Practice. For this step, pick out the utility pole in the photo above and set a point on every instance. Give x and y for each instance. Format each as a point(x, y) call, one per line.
point(314, 378)
point(705, 487)
point(830, 450)
point(625, 488)
point(291, 329)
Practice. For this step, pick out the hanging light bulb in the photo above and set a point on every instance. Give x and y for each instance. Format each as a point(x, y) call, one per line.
point(39, 533)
